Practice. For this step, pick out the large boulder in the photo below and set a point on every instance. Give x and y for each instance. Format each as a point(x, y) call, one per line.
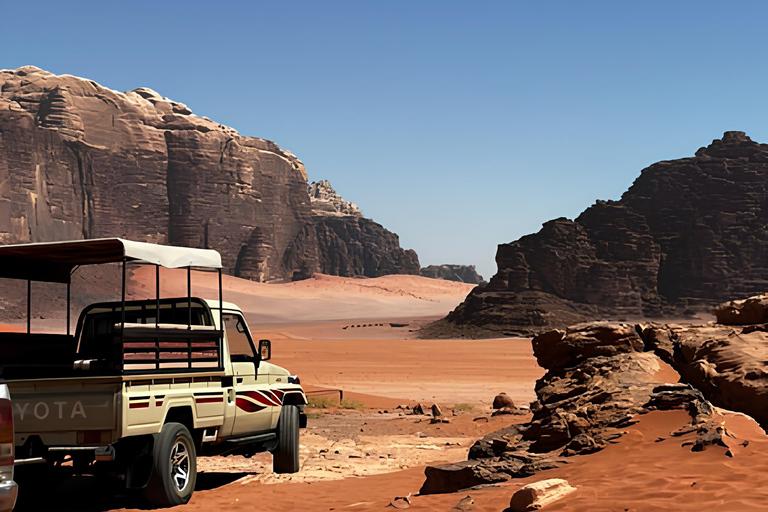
point(559, 349)
point(753, 310)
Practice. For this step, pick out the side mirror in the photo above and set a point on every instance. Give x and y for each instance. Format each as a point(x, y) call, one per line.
point(265, 350)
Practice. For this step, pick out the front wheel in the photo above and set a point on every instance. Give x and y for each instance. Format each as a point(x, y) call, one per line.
point(285, 458)
point(174, 467)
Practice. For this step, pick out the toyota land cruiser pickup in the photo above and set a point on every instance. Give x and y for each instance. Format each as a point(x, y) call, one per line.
point(144, 386)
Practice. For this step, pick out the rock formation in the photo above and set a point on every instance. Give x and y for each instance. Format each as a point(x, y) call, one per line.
point(351, 245)
point(599, 379)
point(727, 364)
point(687, 233)
point(460, 273)
point(752, 310)
point(78, 160)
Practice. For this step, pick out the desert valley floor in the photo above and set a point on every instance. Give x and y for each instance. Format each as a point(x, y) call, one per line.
point(335, 333)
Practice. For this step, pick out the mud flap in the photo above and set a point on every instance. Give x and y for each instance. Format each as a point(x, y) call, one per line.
point(140, 467)
point(302, 420)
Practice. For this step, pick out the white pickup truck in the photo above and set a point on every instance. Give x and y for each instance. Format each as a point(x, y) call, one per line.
point(144, 386)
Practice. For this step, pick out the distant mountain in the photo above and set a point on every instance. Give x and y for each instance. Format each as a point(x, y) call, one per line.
point(459, 273)
point(687, 234)
point(78, 160)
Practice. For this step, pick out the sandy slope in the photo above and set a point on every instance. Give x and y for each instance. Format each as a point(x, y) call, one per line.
point(321, 298)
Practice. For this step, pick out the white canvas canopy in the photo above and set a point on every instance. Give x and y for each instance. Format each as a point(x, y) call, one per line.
point(54, 261)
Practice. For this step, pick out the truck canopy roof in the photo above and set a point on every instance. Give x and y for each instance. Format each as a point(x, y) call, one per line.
point(54, 261)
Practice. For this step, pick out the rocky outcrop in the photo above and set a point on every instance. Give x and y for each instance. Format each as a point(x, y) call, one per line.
point(460, 273)
point(687, 233)
point(729, 365)
point(351, 245)
point(599, 379)
point(78, 160)
point(752, 310)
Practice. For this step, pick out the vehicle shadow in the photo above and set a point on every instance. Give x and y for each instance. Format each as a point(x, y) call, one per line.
point(86, 493)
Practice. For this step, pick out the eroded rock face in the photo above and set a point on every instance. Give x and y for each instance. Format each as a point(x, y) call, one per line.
point(599, 379)
point(687, 233)
point(84, 161)
point(78, 160)
point(459, 273)
point(728, 364)
point(351, 245)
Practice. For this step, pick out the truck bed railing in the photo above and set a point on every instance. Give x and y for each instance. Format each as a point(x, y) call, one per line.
point(169, 348)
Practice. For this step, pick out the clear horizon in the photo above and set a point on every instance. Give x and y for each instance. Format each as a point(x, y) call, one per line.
point(456, 127)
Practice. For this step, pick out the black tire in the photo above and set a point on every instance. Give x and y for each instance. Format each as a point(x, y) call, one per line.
point(285, 458)
point(165, 487)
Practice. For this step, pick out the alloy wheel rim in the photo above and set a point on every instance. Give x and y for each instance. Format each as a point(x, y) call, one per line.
point(180, 465)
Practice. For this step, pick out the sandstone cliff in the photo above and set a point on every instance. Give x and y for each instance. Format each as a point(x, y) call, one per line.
point(78, 160)
point(687, 233)
point(351, 245)
point(460, 273)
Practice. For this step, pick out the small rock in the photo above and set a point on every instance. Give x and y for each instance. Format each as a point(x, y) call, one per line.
point(482, 418)
point(502, 400)
point(465, 504)
point(421, 434)
point(419, 409)
point(537, 495)
point(440, 420)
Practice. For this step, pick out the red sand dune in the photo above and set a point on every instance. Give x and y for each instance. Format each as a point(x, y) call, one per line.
point(321, 298)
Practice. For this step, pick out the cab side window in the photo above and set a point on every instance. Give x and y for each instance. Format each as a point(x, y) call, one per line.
point(237, 335)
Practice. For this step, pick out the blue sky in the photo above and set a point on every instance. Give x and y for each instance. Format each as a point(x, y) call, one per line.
point(458, 126)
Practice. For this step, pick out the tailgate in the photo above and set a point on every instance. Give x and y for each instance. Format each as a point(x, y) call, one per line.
point(56, 407)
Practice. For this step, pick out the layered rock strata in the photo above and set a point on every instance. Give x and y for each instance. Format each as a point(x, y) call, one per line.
point(687, 233)
point(78, 160)
point(459, 273)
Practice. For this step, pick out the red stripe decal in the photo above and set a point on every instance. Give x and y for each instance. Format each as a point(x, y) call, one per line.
point(272, 397)
point(258, 397)
point(279, 394)
point(158, 403)
point(139, 406)
point(211, 400)
point(247, 406)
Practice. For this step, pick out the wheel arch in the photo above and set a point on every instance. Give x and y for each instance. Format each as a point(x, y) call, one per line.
point(181, 413)
point(294, 398)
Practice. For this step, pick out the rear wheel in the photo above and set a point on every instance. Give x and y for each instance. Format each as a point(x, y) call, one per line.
point(174, 468)
point(285, 458)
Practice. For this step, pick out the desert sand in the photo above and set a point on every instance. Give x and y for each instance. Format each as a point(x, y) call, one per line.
point(364, 456)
